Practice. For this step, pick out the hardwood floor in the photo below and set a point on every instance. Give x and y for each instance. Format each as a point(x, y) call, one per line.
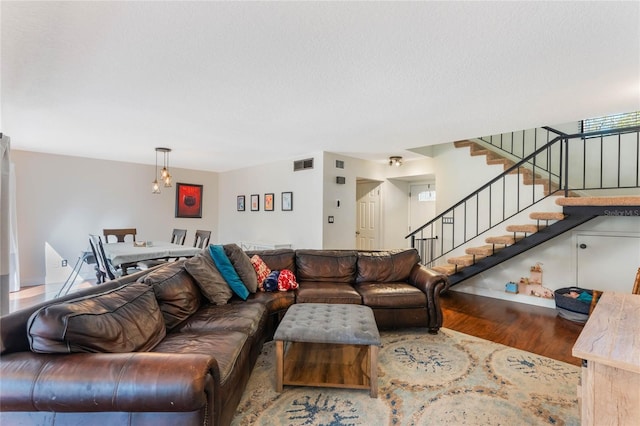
point(32, 295)
point(531, 328)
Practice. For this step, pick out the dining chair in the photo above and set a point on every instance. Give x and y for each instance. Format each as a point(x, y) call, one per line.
point(177, 237)
point(119, 233)
point(202, 238)
point(104, 268)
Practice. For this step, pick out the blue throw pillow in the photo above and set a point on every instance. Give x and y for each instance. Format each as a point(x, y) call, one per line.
point(227, 271)
point(271, 282)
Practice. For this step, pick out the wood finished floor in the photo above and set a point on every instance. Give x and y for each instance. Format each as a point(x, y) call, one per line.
point(531, 328)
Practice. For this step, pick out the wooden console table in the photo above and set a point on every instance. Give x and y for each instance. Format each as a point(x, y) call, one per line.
point(610, 345)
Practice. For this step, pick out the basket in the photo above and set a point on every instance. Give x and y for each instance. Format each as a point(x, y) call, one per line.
point(570, 308)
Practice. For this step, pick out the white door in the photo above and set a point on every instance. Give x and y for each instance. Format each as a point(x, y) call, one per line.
point(368, 211)
point(607, 262)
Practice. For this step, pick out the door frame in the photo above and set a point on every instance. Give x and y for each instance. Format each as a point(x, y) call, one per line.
point(379, 212)
point(409, 194)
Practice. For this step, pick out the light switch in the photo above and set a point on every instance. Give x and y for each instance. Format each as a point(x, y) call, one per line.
point(330, 219)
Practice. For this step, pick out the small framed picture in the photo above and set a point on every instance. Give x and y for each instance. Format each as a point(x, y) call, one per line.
point(240, 203)
point(287, 201)
point(255, 202)
point(268, 202)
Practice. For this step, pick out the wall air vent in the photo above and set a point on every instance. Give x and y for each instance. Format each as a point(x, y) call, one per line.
point(303, 164)
point(339, 164)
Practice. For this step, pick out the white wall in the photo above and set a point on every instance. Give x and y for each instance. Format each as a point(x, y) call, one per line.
point(394, 199)
point(62, 199)
point(458, 174)
point(302, 227)
point(341, 233)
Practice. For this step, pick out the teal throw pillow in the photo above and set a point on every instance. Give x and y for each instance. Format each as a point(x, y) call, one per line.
point(227, 271)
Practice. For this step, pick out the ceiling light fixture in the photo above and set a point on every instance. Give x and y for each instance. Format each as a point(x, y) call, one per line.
point(395, 161)
point(165, 176)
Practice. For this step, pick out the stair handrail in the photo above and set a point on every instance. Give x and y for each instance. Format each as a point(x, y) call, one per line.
point(488, 141)
point(563, 183)
point(488, 184)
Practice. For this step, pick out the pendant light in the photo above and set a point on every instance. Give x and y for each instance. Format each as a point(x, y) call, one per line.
point(165, 176)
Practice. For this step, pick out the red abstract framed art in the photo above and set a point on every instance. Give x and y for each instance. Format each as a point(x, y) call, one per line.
point(188, 200)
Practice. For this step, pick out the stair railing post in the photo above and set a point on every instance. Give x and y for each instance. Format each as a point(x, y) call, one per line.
point(565, 147)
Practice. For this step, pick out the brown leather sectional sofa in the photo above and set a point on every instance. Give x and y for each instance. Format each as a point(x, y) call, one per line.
point(149, 348)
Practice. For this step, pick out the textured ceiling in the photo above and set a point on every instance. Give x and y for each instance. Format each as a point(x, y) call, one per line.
point(233, 84)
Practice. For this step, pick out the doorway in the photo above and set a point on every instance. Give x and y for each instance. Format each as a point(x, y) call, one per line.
point(422, 204)
point(368, 215)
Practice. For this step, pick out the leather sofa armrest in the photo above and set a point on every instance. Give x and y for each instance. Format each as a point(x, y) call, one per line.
point(93, 382)
point(432, 285)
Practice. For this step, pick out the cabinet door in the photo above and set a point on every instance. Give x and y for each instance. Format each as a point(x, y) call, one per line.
point(607, 262)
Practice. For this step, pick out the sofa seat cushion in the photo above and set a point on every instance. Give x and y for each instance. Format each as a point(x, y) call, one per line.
point(224, 346)
point(177, 293)
point(391, 295)
point(386, 266)
point(326, 265)
point(244, 317)
point(327, 292)
point(123, 319)
point(274, 301)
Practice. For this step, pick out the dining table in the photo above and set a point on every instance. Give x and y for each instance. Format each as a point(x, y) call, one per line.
point(125, 255)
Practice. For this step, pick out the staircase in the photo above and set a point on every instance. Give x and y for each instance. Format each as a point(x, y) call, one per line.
point(502, 247)
point(546, 170)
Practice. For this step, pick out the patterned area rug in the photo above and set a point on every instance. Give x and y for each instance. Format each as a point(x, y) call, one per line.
point(449, 378)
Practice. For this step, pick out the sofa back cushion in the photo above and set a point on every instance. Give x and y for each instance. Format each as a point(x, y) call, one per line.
point(212, 284)
point(176, 292)
point(124, 319)
point(228, 272)
point(278, 259)
point(242, 264)
point(326, 265)
point(386, 266)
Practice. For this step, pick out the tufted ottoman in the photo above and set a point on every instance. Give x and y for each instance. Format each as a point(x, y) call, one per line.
point(332, 345)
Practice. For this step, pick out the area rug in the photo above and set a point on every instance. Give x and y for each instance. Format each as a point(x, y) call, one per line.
point(445, 379)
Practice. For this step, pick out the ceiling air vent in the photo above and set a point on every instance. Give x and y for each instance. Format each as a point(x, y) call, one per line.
point(303, 164)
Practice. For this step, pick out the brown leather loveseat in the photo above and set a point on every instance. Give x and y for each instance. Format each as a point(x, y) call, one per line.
point(163, 346)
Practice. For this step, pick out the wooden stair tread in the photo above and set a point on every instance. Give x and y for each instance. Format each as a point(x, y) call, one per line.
point(629, 200)
point(547, 216)
point(499, 160)
point(503, 239)
point(466, 260)
point(529, 229)
point(487, 250)
point(526, 173)
point(462, 144)
point(446, 269)
point(476, 152)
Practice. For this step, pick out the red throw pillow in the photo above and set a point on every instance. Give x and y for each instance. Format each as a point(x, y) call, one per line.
point(262, 270)
point(287, 281)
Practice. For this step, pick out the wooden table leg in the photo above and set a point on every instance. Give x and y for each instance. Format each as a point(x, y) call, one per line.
point(279, 365)
point(373, 367)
